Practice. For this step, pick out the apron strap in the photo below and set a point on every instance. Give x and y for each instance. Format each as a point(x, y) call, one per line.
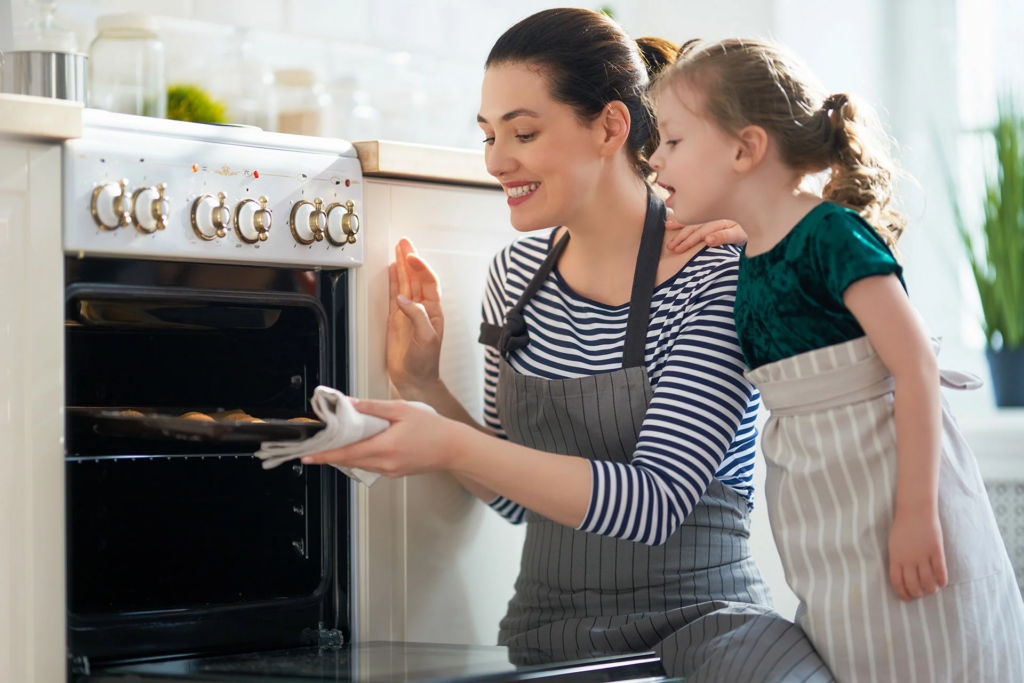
point(513, 335)
point(634, 350)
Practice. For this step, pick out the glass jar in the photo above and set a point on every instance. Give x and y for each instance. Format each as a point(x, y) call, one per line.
point(126, 66)
point(300, 102)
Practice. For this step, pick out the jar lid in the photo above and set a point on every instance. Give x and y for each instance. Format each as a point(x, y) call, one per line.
point(296, 78)
point(130, 21)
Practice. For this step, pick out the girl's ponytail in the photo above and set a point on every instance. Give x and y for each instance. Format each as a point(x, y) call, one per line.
point(862, 171)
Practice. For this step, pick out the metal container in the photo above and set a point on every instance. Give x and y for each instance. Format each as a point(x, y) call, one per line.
point(60, 75)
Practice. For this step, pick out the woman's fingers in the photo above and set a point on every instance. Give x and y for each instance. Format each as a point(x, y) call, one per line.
point(351, 455)
point(415, 291)
point(393, 288)
point(403, 271)
point(417, 314)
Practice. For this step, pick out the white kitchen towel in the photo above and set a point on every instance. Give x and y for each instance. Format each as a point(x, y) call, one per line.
point(345, 425)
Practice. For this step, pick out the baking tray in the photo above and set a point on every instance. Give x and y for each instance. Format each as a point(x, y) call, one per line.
point(165, 423)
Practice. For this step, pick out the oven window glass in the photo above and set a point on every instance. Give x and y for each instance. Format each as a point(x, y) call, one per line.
point(160, 524)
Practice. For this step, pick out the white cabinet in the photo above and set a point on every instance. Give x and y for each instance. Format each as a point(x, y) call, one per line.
point(31, 413)
point(437, 564)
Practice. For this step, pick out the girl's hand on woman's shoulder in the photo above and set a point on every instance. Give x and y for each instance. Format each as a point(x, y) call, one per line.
point(713, 233)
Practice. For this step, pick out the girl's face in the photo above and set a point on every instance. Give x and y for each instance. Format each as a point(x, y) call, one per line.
point(544, 157)
point(695, 160)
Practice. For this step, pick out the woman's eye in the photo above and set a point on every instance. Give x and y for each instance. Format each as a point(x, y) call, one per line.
point(489, 141)
point(671, 143)
point(526, 137)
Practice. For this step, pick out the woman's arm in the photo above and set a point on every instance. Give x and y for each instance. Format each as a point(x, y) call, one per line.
point(916, 556)
point(699, 403)
point(415, 331)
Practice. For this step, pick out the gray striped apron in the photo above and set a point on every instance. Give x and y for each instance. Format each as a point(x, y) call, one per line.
point(831, 488)
point(698, 600)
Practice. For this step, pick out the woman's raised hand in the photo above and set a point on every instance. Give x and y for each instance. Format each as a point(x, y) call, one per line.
point(713, 233)
point(415, 322)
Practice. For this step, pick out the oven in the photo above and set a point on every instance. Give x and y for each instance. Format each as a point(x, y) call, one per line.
point(208, 290)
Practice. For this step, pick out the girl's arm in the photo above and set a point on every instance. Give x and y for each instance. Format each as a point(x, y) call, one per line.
point(917, 562)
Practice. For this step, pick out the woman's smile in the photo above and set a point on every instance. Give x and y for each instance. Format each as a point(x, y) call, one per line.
point(519, 191)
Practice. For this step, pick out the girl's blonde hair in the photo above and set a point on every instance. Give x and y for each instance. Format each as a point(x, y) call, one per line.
point(756, 82)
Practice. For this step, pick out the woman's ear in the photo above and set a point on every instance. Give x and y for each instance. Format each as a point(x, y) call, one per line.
point(612, 128)
point(751, 148)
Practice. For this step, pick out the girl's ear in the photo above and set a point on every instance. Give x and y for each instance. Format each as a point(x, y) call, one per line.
point(751, 148)
point(612, 128)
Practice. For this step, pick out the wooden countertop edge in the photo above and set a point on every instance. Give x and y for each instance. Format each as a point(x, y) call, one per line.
point(407, 161)
point(39, 117)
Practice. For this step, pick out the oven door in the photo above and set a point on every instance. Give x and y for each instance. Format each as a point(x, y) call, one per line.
point(177, 546)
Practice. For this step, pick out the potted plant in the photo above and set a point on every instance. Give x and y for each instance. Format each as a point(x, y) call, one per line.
point(996, 255)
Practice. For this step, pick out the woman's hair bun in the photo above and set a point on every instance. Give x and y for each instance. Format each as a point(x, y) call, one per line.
point(657, 54)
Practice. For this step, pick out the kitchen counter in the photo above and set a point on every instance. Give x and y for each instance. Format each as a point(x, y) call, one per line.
point(39, 117)
point(408, 161)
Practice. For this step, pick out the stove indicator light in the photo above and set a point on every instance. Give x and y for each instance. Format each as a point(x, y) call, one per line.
point(195, 168)
point(255, 174)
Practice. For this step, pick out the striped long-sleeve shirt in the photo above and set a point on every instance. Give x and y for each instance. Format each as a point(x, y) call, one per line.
point(700, 423)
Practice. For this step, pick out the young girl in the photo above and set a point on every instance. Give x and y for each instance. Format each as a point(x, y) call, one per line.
point(877, 505)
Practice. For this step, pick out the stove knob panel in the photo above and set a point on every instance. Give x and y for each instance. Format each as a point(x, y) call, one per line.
point(111, 207)
point(308, 221)
point(253, 220)
point(211, 216)
point(150, 208)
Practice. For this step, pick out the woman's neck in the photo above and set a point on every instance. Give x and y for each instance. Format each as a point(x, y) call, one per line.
point(600, 259)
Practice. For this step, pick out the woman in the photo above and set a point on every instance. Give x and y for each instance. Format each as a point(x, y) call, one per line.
point(624, 425)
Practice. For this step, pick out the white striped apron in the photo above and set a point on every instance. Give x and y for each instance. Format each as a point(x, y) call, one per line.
point(830, 445)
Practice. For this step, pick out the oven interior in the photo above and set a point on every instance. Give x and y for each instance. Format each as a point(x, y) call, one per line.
point(182, 547)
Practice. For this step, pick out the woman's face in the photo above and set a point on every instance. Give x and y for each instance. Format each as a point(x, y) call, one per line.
point(544, 157)
point(694, 161)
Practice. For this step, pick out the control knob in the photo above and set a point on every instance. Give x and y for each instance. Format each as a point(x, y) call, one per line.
point(150, 208)
point(110, 206)
point(211, 216)
point(253, 220)
point(308, 221)
point(342, 223)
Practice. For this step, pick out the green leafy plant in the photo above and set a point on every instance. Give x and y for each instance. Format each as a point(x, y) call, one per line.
point(996, 255)
point(187, 102)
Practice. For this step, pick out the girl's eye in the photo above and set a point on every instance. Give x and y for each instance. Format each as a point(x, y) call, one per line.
point(526, 137)
point(671, 143)
point(489, 141)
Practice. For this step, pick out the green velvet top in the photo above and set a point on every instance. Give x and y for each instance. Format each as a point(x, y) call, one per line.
point(789, 300)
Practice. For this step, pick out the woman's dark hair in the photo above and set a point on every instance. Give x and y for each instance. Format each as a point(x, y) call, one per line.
point(589, 61)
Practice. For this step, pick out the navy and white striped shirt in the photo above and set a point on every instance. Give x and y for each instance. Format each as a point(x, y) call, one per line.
point(700, 423)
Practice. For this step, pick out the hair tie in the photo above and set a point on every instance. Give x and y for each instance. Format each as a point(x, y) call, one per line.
point(833, 102)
